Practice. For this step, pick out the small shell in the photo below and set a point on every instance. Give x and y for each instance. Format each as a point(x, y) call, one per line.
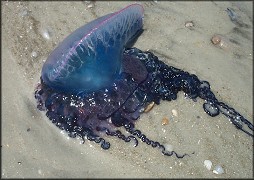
point(221, 42)
point(46, 34)
point(165, 121)
point(149, 107)
point(90, 6)
point(208, 164)
point(189, 24)
point(218, 170)
point(174, 112)
point(34, 54)
point(216, 39)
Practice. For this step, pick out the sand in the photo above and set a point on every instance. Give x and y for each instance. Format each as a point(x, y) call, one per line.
point(32, 147)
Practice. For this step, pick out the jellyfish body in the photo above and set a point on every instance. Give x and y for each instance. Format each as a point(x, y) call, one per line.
point(93, 83)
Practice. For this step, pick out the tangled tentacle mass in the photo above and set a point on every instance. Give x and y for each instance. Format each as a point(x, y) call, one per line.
point(143, 79)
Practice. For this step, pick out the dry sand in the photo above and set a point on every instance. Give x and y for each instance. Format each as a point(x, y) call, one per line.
point(32, 147)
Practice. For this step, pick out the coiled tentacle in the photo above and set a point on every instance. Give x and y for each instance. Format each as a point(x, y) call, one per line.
point(118, 134)
point(166, 81)
point(131, 129)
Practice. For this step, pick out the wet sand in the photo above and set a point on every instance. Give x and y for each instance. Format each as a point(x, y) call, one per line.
point(32, 147)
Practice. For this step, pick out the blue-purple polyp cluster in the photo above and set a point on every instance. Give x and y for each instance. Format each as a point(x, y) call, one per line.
point(91, 84)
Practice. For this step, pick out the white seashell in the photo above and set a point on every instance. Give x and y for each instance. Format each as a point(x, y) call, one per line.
point(218, 170)
point(174, 112)
point(34, 54)
point(90, 6)
point(46, 33)
point(189, 24)
point(208, 164)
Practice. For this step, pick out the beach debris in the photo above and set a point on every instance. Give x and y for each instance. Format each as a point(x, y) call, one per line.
point(221, 41)
point(165, 121)
point(34, 54)
point(208, 164)
point(45, 34)
point(90, 4)
point(232, 14)
point(149, 107)
point(189, 24)
point(216, 39)
point(236, 19)
point(174, 112)
point(218, 170)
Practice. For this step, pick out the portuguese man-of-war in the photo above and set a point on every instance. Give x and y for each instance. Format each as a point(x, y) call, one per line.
point(94, 82)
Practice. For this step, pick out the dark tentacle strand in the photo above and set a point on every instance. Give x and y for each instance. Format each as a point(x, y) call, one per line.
point(104, 144)
point(123, 137)
point(119, 134)
point(236, 118)
point(166, 81)
point(71, 127)
point(90, 136)
point(131, 129)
